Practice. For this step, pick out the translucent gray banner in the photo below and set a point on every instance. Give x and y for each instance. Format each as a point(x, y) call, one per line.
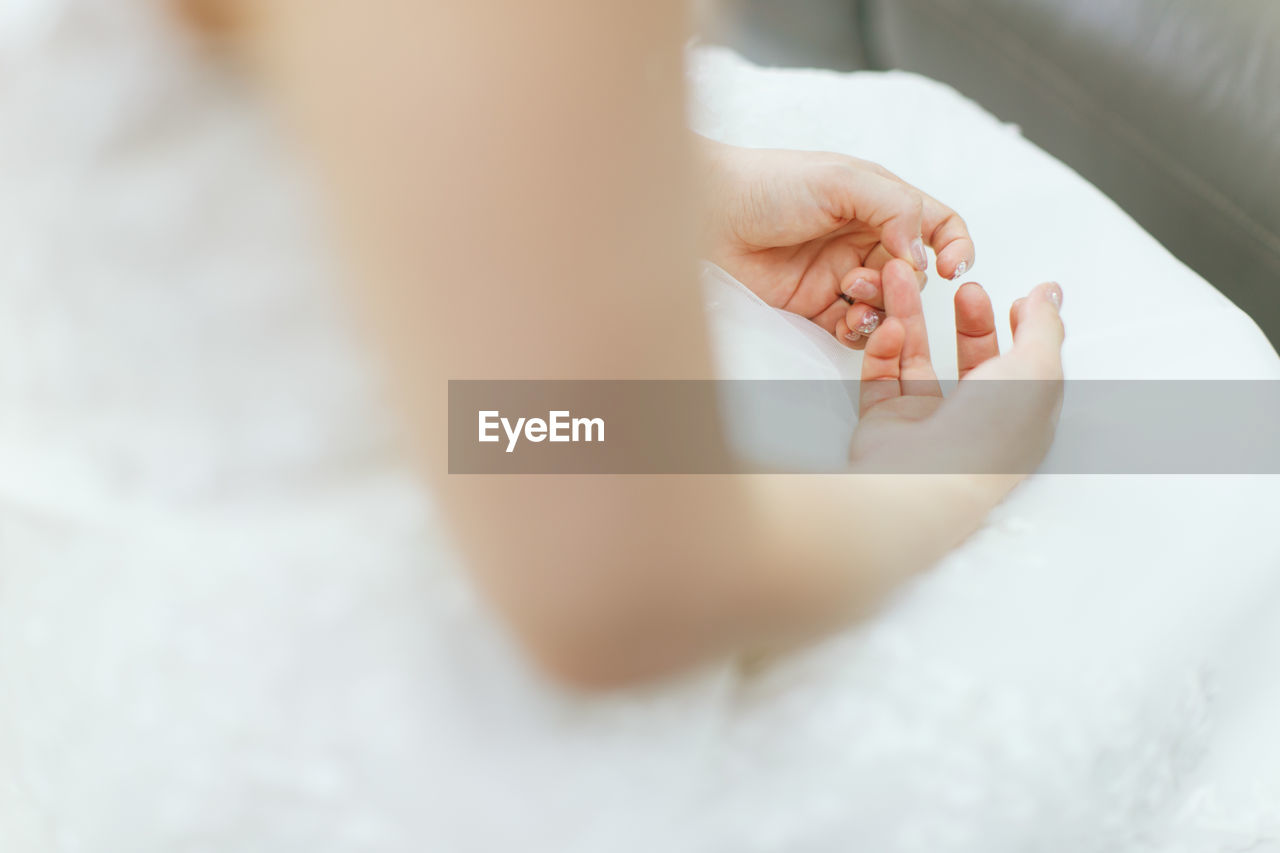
point(723, 427)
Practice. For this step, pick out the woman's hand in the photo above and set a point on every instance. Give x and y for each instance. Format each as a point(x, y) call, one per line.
point(810, 232)
point(1003, 427)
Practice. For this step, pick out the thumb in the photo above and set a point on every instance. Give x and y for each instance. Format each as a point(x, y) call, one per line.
point(896, 209)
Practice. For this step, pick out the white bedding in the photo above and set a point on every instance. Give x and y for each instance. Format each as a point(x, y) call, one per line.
point(228, 622)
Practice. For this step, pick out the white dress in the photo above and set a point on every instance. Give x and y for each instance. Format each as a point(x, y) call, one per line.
point(229, 622)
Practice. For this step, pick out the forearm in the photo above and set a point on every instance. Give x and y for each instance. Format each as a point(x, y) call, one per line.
point(523, 208)
point(632, 578)
point(851, 539)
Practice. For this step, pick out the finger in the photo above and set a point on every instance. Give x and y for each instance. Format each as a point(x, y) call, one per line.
point(1039, 333)
point(881, 366)
point(975, 328)
point(850, 339)
point(879, 256)
point(859, 281)
point(862, 284)
point(863, 319)
point(902, 301)
point(948, 234)
point(946, 231)
point(831, 315)
point(897, 209)
point(1015, 311)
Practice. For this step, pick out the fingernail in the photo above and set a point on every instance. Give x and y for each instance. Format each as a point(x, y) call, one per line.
point(918, 255)
point(862, 290)
point(1055, 296)
point(869, 322)
point(961, 269)
point(853, 337)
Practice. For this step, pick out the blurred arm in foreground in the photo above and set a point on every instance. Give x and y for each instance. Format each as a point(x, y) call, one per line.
point(520, 199)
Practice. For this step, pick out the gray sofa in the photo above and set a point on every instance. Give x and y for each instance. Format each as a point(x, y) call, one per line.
point(1172, 107)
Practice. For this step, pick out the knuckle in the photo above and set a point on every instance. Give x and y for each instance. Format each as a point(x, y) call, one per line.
point(915, 204)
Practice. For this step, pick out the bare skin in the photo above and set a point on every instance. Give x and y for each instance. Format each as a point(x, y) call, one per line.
point(518, 195)
point(801, 228)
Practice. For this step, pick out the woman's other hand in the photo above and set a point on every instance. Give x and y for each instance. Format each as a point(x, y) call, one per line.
point(1003, 426)
point(810, 232)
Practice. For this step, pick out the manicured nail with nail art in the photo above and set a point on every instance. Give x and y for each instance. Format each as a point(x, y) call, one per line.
point(961, 269)
point(1055, 296)
point(869, 322)
point(861, 290)
point(853, 337)
point(918, 255)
